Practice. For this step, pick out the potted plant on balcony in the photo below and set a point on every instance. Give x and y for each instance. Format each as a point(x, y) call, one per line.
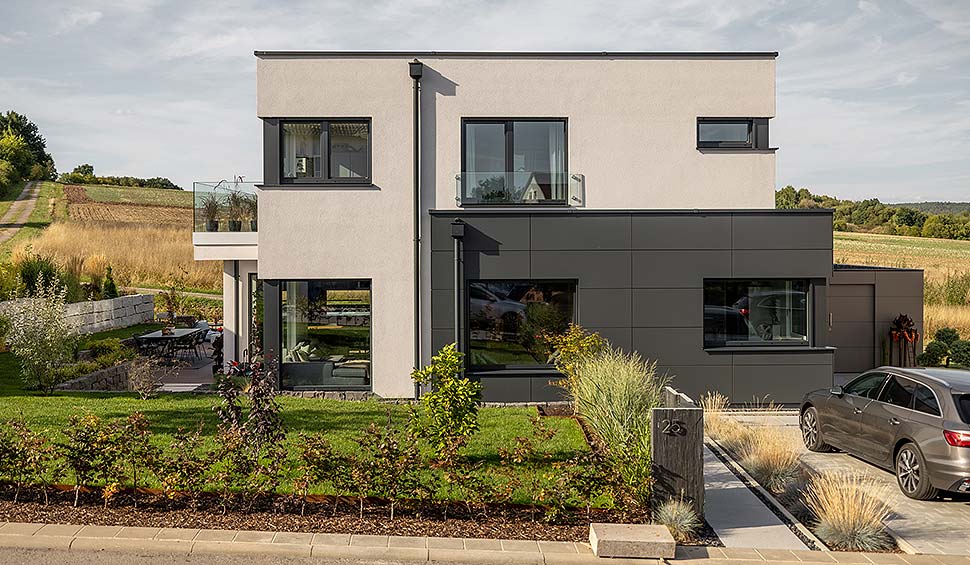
point(251, 205)
point(235, 209)
point(209, 207)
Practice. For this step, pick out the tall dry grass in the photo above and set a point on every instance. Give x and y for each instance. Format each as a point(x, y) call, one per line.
point(139, 255)
point(849, 511)
point(936, 316)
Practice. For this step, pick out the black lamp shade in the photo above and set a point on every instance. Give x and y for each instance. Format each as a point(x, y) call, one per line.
point(415, 69)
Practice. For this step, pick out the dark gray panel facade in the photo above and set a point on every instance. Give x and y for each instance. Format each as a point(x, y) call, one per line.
point(640, 277)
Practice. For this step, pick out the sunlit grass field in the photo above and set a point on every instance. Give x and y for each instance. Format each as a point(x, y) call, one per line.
point(937, 257)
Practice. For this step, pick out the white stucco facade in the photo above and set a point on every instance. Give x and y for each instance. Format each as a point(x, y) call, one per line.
point(631, 127)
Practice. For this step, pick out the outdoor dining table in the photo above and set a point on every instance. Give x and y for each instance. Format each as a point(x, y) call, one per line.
point(165, 342)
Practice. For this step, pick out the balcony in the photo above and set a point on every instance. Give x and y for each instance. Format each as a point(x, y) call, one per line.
point(523, 188)
point(224, 206)
point(224, 220)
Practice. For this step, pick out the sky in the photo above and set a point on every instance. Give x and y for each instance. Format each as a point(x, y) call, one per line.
point(873, 98)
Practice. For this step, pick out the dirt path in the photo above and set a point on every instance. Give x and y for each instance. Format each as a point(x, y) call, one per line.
point(19, 212)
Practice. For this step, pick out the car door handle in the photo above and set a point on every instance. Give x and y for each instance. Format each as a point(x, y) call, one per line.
point(894, 421)
point(857, 410)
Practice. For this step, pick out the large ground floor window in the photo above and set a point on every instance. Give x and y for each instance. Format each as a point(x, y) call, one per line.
point(506, 318)
point(325, 328)
point(756, 312)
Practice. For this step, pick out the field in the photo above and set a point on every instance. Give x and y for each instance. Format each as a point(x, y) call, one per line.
point(941, 259)
point(937, 257)
point(144, 239)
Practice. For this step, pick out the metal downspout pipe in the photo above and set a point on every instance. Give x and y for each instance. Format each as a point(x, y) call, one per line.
point(415, 70)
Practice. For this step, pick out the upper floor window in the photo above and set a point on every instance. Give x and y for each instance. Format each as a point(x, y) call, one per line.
point(756, 312)
point(330, 151)
point(514, 161)
point(741, 133)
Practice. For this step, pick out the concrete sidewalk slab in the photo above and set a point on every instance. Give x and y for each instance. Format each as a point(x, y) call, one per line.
point(739, 517)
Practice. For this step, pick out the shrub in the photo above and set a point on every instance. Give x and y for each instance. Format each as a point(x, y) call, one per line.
point(145, 376)
point(449, 414)
point(107, 346)
point(960, 352)
point(933, 354)
point(573, 346)
point(34, 268)
point(615, 392)
point(137, 454)
point(768, 454)
point(91, 451)
point(41, 335)
point(75, 370)
point(183, 465)
point(947, 336)
point(316, 462)
point(849, 512)
point(30, 458)
point(395, 463)
point(679, 517)
point(110, 289)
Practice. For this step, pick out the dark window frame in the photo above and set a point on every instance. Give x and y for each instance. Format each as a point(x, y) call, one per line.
point(726, 144)
point(325, 151)
point(509, 124)
point(370, 334)
point(809, 315)
point(466, 333)
point(912, 400)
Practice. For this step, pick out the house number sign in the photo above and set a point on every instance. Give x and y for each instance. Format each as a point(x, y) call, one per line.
point(673, 427)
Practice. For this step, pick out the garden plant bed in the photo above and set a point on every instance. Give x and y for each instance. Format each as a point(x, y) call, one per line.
point(283, 514)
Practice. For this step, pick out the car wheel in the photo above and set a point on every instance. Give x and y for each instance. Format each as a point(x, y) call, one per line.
point(911, 473)
point(811, 433)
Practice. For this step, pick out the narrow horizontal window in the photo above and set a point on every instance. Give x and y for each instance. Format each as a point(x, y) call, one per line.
point(507, 317)
point(328, 151)
point(725, 132)
point(756, 312)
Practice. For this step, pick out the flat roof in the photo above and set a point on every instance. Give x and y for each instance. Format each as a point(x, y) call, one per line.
point(563, 210)
point(525, 54)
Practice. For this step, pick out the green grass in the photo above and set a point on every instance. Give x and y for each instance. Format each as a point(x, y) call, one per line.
point(11, 194)
point(139, 195)
point(121, 333)
point(50, 205)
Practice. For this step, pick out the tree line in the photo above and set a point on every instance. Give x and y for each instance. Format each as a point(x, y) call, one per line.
point(23, 152)
point(84, 174)
point(873, 216)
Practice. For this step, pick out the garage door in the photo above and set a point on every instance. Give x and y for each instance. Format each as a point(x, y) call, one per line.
point(852, 329)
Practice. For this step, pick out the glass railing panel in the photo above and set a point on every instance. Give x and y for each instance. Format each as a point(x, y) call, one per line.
point(225, 206)
point(519, 188)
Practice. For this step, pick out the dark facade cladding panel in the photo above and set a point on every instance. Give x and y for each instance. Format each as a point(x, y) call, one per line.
point(855, 359)
point(605, 308)
point(442, 270)
point(782, 384)
point(852, 290)
point(851, 309)
point(618, 337)
point(505, 265)
point(852, 334)
point(807, 357)
point(441, 338)
point(778, 263)
point(441, 239)
point(271, 151)
point(676, 346)
point(679, 269)
point(899, 283)
point(695, 231)
point(782, 231)
point(820, 312)
point(594, 269)
point(493, 235)
point(506, 388)
point(695, 381)
point(888, 307)
point(543, 389)
point(271, 317)
point(443, 309)
point(853, 276)
point(580, 231)
point(668, 307)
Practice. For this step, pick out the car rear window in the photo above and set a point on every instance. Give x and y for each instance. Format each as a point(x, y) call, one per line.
point(963, 406)
point(924, 401)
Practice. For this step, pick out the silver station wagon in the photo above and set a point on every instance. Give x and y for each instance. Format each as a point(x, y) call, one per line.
point(914, 422)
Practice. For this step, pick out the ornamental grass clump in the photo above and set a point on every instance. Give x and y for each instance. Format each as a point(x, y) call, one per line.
point(770, 457)
point(849, 512)
point(679, 517)
point(614, 392)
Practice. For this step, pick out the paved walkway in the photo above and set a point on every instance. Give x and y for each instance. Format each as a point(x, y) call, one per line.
point(939, 526)
point(19, 212)
point(193, 545)
point(737, 515)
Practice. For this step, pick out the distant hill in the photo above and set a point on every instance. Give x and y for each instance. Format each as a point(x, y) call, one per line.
point(935, 207)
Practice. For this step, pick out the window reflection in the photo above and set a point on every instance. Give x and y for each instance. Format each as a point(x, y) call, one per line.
point(742, 312)
point(507, 318)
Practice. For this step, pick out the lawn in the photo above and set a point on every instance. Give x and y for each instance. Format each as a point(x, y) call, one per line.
point(139, 195)
point(342, 422)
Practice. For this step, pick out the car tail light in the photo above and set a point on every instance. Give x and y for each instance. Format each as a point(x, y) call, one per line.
point(957, 439)
point(744, 312)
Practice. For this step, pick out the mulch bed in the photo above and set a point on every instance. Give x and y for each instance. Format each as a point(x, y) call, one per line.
point(283, 514)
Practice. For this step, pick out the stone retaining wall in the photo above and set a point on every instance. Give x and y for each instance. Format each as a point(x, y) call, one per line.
point(109, 379)
point(100, 315)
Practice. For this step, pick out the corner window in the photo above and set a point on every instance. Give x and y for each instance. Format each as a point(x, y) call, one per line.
point(514, 161)
point(740, 133)
point(326, 339)
point(756, 312)
point(328, 151)
point(506, 318)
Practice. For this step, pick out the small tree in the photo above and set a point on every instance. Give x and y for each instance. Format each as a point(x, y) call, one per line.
point(449, 413)
point(173, 297)
point(41, 335)
point(110, 289)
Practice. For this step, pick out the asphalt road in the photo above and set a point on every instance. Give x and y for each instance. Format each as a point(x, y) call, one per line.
point(13, 556)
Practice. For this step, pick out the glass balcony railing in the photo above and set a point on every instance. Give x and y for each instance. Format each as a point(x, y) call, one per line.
point(519, 188)
point(224, 206)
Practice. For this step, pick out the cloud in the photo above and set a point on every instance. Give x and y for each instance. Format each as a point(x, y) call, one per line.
point(76, 20)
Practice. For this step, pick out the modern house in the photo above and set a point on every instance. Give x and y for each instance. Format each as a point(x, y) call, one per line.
point(411, 200)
